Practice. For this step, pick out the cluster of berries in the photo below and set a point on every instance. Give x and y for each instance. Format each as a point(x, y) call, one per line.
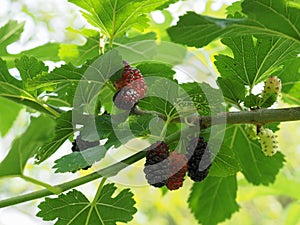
point(268, 142)
point(272, 89)
point(266, 138)
point(131, 87)
point(272, 86)
point(164, 168)
point(79, 145)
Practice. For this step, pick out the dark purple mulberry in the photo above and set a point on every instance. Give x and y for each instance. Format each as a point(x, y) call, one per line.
point(156, 166)
point(80, 145)
point(126, 98)
point(199, 159)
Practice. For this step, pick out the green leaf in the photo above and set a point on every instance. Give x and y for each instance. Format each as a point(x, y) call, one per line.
point(156, 70)
point(62, 75)
point(106, 97)
point(80, 86)
point(13, 89)
point(256, 167)
point(260, 60)
point(277, 18)
point(265, 17)
point(162, 94)
point(140, 37)
point(63, 130)
point(140, 124)
point(233, 91)
point(24, 147)
point(29, 68)
point(8, 113)
point(78, 160)
point(74, 208)
point(78, 55)
point(102, 127)
point(235, 10)
point(48, 51)
point(198, 31)
point(225, 163)
point(214, 199)
point(268, 100)
point(290, 79)
point(252, 100)
point(206, 100)
point(9, 33)
point(114, 18)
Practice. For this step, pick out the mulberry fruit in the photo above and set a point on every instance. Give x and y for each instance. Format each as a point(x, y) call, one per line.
point(126, 98)
point(268, 142)
point(199, 159)
point(156, 166)
point(132, 79)
point(272, 86)
point(250, 130)
point(177, 170)
point(80, 145)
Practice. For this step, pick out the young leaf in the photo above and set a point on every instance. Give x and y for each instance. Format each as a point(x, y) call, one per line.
point(116, 17)
point(265, 17)
point(29, 68)
point(63, 130)
point(256, 167)
point(74, 208)
point(24, 147)
point(214, 199)
point(8, 113)
point(78, 160)
point(259, 61)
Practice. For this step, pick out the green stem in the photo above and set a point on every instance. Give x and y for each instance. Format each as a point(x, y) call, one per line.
point(98, 193)
point(94, 202)
point(51, 110)
point(260, 116)
point(55, 190)
point(105, 172)
point(164, 130)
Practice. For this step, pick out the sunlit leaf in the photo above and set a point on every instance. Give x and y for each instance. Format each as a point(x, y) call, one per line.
point(24, 147)
point(265, 17)
point(8, 113)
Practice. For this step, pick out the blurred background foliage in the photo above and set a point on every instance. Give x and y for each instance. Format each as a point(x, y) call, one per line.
point(50, 21)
